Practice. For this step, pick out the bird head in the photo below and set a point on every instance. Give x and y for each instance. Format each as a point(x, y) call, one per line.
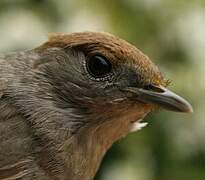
point(103, 77)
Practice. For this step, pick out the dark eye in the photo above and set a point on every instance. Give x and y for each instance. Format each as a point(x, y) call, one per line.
point(99, 66)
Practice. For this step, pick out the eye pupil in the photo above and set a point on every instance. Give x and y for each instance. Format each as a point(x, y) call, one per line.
point(99, 66)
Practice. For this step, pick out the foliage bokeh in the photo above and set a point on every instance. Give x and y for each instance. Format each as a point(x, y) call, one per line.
point(171, 33)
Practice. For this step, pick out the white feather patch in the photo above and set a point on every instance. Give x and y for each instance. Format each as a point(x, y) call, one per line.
point(136, 126)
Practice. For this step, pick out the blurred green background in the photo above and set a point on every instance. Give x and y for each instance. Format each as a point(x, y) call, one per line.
point(172, 34)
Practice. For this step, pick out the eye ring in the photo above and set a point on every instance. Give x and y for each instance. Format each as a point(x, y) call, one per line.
point(98, 66)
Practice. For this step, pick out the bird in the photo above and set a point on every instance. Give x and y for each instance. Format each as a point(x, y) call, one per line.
point(64, 103)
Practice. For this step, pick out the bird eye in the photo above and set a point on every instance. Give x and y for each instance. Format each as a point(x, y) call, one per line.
point(99, 66)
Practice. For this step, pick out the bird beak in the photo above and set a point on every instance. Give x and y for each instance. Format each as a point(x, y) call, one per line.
point(162, 97)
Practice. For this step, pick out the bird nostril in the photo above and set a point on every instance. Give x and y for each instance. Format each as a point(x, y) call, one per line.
point(153, 88)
